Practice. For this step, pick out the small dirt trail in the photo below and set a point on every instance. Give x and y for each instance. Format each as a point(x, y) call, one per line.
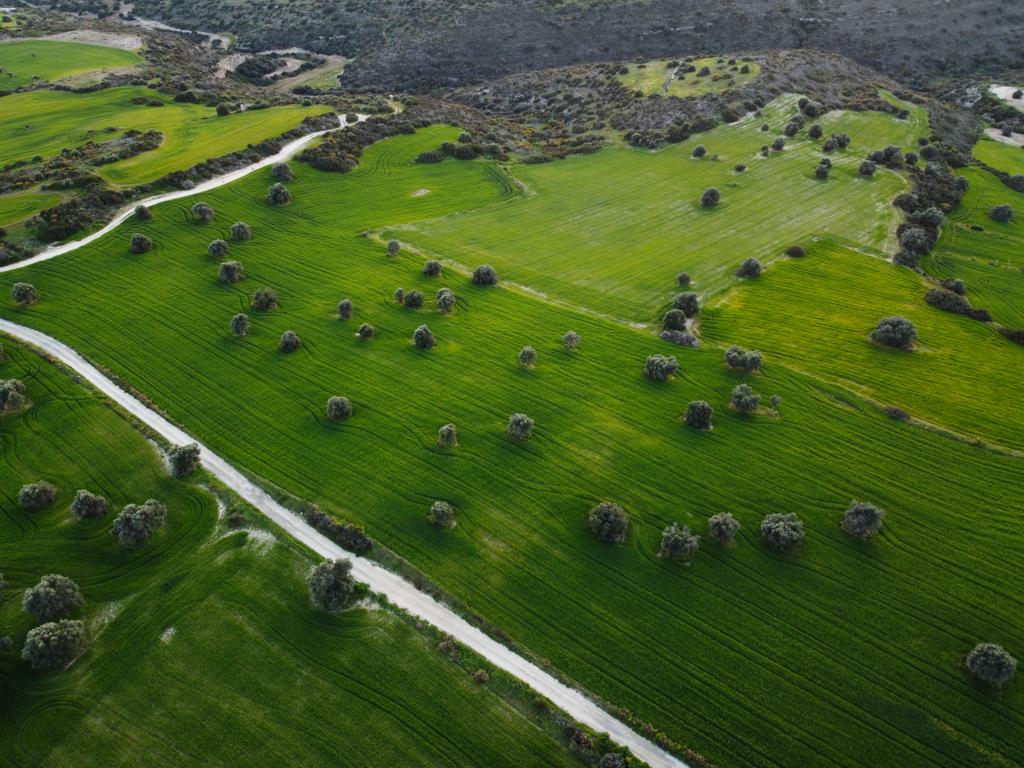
point(397, 590)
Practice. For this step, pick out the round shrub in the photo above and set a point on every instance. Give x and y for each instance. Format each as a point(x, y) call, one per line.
point(12, 396)
point(1001, 213)
point(897, 332)
point(54, 597)
point(698, 415)
point(231, 272)
point(202, 212)
point(660, 367)
point(278, 194)
point(609, 522)
point(240, 325)
point(699, 151)
point(779, 144)
point(485, 275)
point(448, 436)
point(136, 523)
point(795, 251)
point(53, 645)
point(394, 247)
point(745, 399)
point(24, 294)
point(740, 359)
point(241, 231)
point(399, 295)
point(139, 243)
point(413, 300)
point(740, 168)
point(423, 338)
point(183, 459)
point(290, 342)
point(688, 302)
point(264, 299)
point(339, 408)
point(432, 268)
point(814, 131)
point(445, 300)
point(991, 664)
point(36, 496)
point(571, 340)
point(365, 332)
point(782, 533)
point(88, 506)
point(750, 268)
point(441, 514)
point(867, 168)
point(520, 426)
point(527, 357)
point(862, 520)
point(218, 249)
point(710, 197)
point(345, 309)
point(683, 279)
point(674, 320)
point(331, 586)
point(723, 527)
point(281, 172)
point(142, 213)
point(678, 543)
point(821, 172)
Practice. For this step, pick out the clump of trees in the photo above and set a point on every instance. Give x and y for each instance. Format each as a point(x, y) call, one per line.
point(412, 300)
point(278, 194)
point(520, 426)
point(240, 325)
point(432, 268)
point(231, 272)
point(948, 301)
point(991, 664)
point(750, 267)
point(136, 523)
point(241, 231)
point(782, 532)
point(527, 357)
point(445, 300)
point(660, 367)
point(710, 197)
point(37, 496)
point(895, 331)
point(345, 309)
point(24, 294)
point(264, 299)
point(609, 522)
point(862, 520)
point(485, 275)
point(571, 340)
point(745, 399)
point(88, 506)
point(441, 514)
point(678, 543)
point(698, 415)
point(740, 359)
point(448, 436)
point(54, 597)
point(12, 395)
point(339, 408)
point(1001, 213)
point(723, 527)
point(281, 172)
point(423, 338)
point(218, 249)
point(331, 585)
point(365, 332)
point(183, 460)
point(688, 302)
point(202, 212)
point(139, 243)
point(290, 342)
point(53, 645)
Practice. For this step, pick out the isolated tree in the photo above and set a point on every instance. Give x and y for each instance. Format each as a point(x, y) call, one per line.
point(740, 359)
point(698, 415)
point(142, 213)
point(136, 523)
point(775, 400)
point(448, 436)
point(264, 299)
point(278, 194)
point(12, 395)
point(36, 496)
point(54, 597)
point(432, 268)
point(830, 144)
point(895, 332)
point(795, 251)
point(394, 247)
point(678, 543)
point(231, 272)
point(223, 109)
point(339, 408)
point(779, 144)
point(862, 520)
point(814, 131)
point(88, 506)
point(821, 172)
point(240, 324)
point(445, 300)
point(750, 267)
point(399, 295)
point(365, 332)
point(683, 279)
point(699, 151)
point(441, 514)
point(843, 140)
point(723, 527)
point(609, 522)
point(571, 340)
point(345, 309)
point(660, 367)
point(745, 399)
point(791, 129)
point(527, 357)
point(710, 197)
point(867, 168)
point(740, 168)
point(218, 249)
point(1001, 213)
point(183, 459)
point(53, 645)
point(674, 320)
point(991, 664)
point(139, 243)
point(24, 294)
point(289, 342)
point(413, 300)
point(331, 585)
point(485, 275)
point(782, 532)
point(423, 338)
point(202, 212)
point(241, 231)
point(281, 172)
point(688, 302)
point(520, 426)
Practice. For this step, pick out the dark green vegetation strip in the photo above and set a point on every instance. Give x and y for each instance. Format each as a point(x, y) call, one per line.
point(834, 656)
point(203, 646)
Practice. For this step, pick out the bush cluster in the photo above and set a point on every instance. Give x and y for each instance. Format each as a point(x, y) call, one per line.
point(136, 523)
point(36, 496)
point(740, 359)
point(660, 367)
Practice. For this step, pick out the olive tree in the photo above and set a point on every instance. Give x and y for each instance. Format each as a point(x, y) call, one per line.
point(740, 359)
point(609, 522)
point(241, 231)
point(710, 197)
point(1001, 213)
point(36, 496)
point(750, 267)
point(278, 194)
point(240, 325)
point(782, 532)
point(331, 585)
point(867, 168)
point(423, 338)
point(441, 514)
point(723, 527)
point(432, 268)
point(142, 213)
point(394, 247)
point(290, 342)
point(24, 294)
point(231, 272)
point(448, 436)
point(339, 408)
point(345, 309)
point(202, 212)
point(895, 331)
point(821, 172)
point(527, 357)
point(53, 645)
point(745, 399)
point(779, 144)
point(399, 295)
point(814, 131)
point(571, 340)
point(660, 367)
point(674, 320)
point(485, 275)
point(678, 543)
point(139, 243)
point(699, 151)
point(12, 395)
point(281, 172)
point(862, 520)
point(991, 664)
point(136, 523)
point(520, 426)
point(183, 459)
point(683, 279)
point(88, 506)
point(445, 300)
point(688, 302)
point(218, 249)
point(365, 332)
point(795, 251)
point(54, 597)
point(264, 299)
point(698, 415)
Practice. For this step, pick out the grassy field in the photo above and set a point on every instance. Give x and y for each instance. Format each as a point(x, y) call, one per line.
point(827, 658)
point(18, 206)
point(1003, 157)
point(29, 61)
point(44, 122)
point(204, 648)
point(610, 231)
point(657, 76)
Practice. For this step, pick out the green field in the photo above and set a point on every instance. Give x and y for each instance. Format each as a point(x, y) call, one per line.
point(657, 76)
point(204, 648)
point(18, 206)
point(29, 61)
point(827, 658)
point(610, 231)
point(1003, 157)
point(44, 122)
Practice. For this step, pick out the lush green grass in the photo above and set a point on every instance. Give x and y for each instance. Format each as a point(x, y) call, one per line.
point(657, 77)
point(44, 122)
point(611, 231)
point(1003, 157)
point(25, 62)
point(204, 648)
point(841, 652)
point(18, 206)
point(990, 260)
